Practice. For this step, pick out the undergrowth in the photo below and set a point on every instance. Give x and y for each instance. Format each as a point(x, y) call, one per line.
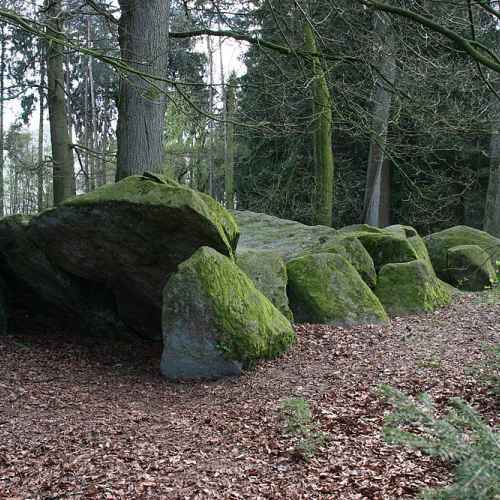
point(460, 437)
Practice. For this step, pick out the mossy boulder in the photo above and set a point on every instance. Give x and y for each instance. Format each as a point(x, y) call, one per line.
point(215, 322)
point(33, 280)
point(129, 237)
point(410, 287)
point(290, 239)
point(383, 246)
point(470, 268)
point(3, 309)
point(267, 270)
point(326, 288)
point(439, 243)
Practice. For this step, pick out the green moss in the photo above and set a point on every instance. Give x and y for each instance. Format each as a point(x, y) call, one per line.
point(410, 287)
point(164, 193)
point(249, 326)
point(326, 288)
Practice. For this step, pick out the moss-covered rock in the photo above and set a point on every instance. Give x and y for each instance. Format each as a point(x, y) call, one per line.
point(290, 239)
point(352, 249)
point(326, 288)
point(215, 321)
point(268, 272)
point(470, 268)
point(384, 246)
point(439, 243)
point(410, 287)
point(28, 272)
point(129, 237)
point(3, 309)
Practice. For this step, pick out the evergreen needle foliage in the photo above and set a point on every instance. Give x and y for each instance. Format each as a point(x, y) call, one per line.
point(460, 437)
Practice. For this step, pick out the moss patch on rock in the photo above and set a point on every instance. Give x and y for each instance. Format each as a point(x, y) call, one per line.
point(326, 288)
point(215, 321)
point(439, 243)
point(470, 268)
point(268, 272)
point(410, 287)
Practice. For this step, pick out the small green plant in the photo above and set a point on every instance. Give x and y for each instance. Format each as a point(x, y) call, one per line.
point(488, 370)
point(433, 362)
point(298, 419)
point(460, 437)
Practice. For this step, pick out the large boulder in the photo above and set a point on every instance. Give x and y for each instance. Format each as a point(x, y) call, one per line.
point(410, 287)
point(439, 243)
point(116, 246)
point(268, 272)
point(215, 321)
point(384, 246)
point(290, 239)
point(326, 288)
point(470, 268)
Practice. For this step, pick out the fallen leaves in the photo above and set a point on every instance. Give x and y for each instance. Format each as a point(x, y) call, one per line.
point(85, 419)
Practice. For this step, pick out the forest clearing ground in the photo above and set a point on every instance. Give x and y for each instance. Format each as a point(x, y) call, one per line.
point(87, 420)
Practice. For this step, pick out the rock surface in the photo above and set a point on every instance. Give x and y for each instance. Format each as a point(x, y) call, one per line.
point(267, 270)
point(326, 288)
point(290, 239)
point(129, 237)
point(215, 321)
point(410, 287)
point(439, 243)
point(470, 268)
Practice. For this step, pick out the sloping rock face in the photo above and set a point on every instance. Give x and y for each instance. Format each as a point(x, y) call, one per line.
point(325, 288)
point(124, 239)
point(410, 287)
point(215, 321)
point(470, 268)
point(290, 239)
point(439, 243)
point(383, 246)
point(267, 270)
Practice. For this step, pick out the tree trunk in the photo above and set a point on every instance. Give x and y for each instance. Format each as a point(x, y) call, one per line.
point(210, 121)
point(377, 192)
point(322, 135)
point(492, 208)
point(40, 162)
point(143, 36)
point(93, 116)
point(62, 151)
point(229, 143)
point(2, 98)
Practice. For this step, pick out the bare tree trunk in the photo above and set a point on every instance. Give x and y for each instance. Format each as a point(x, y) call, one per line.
point(377, 192)
point(492, 208)
point(229, 142)
point(93, 115)
point(40, 162)
point(210, 122)
point(141, 118)
point(62, 152)
point(322, 135)
point(2, 98)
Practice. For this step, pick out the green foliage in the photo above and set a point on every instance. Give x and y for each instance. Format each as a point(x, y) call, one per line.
point(460, 437)
point(298, 419)
point(488, 370)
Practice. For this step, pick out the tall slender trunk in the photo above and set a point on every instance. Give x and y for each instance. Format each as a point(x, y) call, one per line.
point(322, 134)
point(229, 143)
point(41, 99)
point(143, 36)
point(62, 152)
point(210, 122)
point(377, 192)
point(492, 208)
point(2, 98)
point(93, 115)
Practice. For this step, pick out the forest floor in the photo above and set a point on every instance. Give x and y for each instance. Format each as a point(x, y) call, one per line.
point(87, 420)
